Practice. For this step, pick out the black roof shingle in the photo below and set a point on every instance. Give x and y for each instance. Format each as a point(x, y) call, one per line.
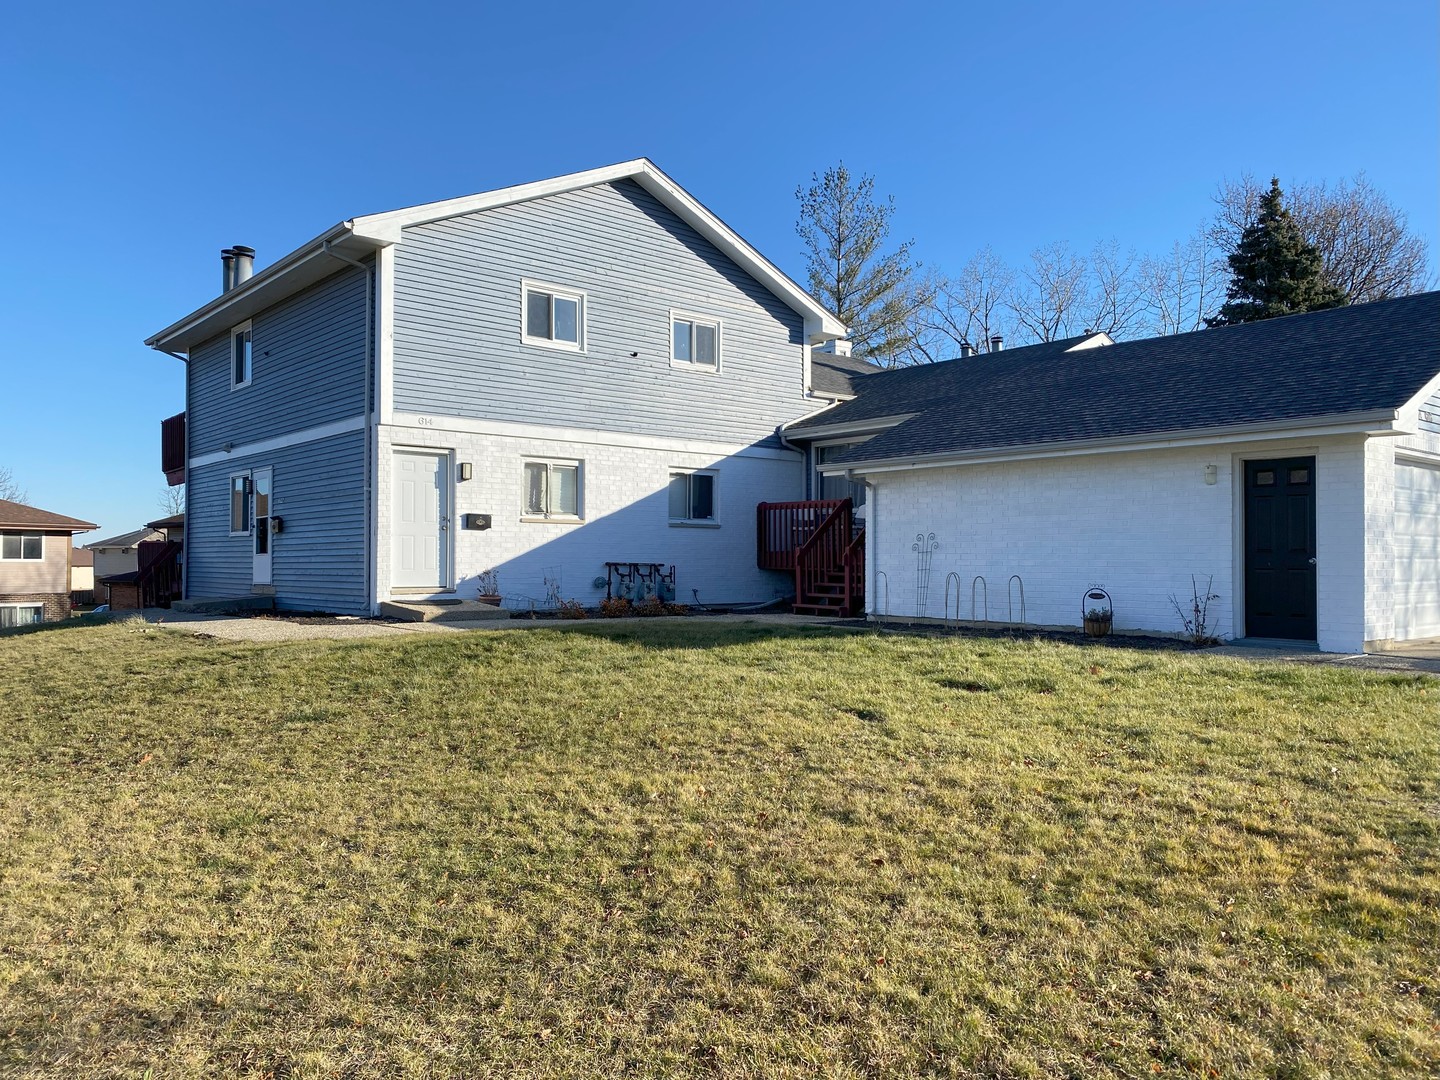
point(1362, 358)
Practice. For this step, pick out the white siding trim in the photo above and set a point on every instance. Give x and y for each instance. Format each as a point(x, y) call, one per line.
point(279, 442)
point(385, 331)
point(510, 429)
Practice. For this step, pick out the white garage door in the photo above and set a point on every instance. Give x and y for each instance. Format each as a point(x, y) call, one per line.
point(1417, 551)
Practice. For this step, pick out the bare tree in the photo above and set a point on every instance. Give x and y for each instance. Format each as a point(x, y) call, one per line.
point(1365, 244)
point(965, 310)
point(1061, 294)
point(10, 488)
point(171, 500)
point(1182, 286)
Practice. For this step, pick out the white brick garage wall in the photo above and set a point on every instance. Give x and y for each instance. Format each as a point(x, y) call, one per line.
point(625, 506)
point(1139, 523)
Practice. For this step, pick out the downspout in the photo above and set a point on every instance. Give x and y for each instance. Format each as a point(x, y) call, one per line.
point(370, 285)
point(803, 452)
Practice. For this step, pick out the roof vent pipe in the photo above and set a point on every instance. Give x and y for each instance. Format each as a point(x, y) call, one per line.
point(227, 270)
point(244, 263)
point(997, 343)
point(966, 349)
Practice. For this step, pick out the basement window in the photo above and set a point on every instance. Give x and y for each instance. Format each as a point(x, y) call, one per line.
point(20, 615)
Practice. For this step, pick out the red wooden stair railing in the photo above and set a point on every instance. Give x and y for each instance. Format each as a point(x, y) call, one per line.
point(818, 542)
point(158, 580)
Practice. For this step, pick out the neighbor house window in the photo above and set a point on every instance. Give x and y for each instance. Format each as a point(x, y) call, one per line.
point(554, 317)
point(240, 504)
point(694, 342)
point(692, 498)
point(20, 615)
point(241, 357)
point(552, 489)
point(16, 545)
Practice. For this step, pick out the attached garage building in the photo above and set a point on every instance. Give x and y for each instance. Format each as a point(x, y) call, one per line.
point(1293, 464)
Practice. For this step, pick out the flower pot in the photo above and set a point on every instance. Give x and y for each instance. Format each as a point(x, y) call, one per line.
point(1098, 627)
point(489, 598)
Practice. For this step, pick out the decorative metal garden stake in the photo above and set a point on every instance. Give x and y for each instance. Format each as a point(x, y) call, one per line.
point(924, 548)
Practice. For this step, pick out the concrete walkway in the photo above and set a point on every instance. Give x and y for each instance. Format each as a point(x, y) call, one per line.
point(1418, 658)
point(240, 628)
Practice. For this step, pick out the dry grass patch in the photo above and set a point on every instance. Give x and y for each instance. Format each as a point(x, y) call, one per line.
point(694, 849)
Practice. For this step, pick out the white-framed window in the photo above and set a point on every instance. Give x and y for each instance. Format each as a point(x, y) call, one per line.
point(20, 615)
point(552, 490)
point(240, 504)
point(694, 342)
point(22, 546)
point(552, 316)
point(241, 357)
point(838, 487)
point(694, 497)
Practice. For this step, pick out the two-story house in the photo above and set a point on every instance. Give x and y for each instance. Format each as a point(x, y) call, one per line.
point(35, 552)
point(540, 380)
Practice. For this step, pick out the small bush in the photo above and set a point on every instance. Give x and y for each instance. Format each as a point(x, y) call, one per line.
point(572, 609)
point(615, 607)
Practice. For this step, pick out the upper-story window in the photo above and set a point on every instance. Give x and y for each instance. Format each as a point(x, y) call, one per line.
point(553, 316)
point(241, 356)
point(694, 342)
point(16, 545)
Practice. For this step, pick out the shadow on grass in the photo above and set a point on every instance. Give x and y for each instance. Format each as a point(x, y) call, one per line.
point(75, 622)
point(693, 633)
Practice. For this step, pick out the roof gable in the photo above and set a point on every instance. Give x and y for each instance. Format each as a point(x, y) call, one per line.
point(361, 235)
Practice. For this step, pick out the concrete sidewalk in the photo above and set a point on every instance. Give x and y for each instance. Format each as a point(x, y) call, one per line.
point(1421, 658)
point(242, 628)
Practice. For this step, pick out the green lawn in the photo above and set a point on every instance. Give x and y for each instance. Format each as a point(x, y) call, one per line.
point(687, 849)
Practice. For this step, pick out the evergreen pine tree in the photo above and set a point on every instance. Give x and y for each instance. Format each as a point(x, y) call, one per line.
point(1274, 271)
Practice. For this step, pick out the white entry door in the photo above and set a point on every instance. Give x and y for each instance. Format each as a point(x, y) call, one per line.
point(260, 480)
point(420, 521)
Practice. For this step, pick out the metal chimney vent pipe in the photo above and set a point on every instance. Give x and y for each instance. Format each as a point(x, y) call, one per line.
point(966, 349)
point(244, 263)
point(997, 343)
point(227, 270)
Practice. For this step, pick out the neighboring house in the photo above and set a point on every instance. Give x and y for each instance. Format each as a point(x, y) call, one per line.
point(82, 575)
point(118, 557)
point(542, 380)
point(1295, 462)
point(35, 563)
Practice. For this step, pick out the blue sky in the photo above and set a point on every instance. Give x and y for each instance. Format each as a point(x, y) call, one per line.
point(140, 139)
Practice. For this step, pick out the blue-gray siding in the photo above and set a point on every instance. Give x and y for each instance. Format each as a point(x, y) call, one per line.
point(308, 368)
point(457, 322)
point(319, 558)
point(1430, 414)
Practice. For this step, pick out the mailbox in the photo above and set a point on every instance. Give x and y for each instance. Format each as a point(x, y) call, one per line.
point(477, 521)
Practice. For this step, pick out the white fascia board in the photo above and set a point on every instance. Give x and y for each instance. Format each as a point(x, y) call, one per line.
point(1375, 424)
point(302, 267)
point(645, 173)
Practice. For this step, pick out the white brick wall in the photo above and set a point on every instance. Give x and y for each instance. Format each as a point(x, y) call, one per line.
point(625, 507)
point(1138, 523)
